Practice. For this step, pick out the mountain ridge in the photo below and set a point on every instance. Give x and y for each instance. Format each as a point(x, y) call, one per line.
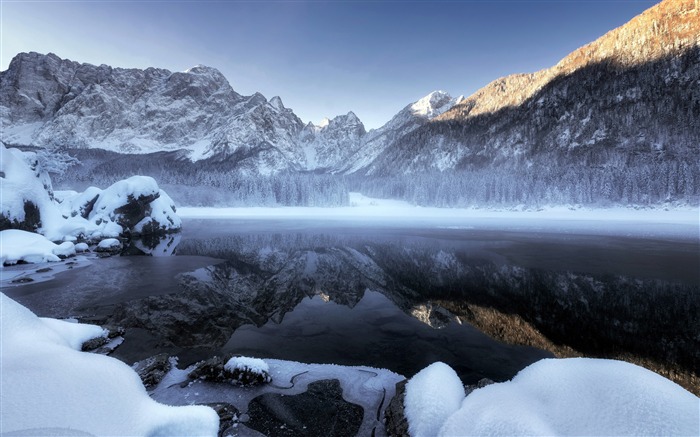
point(617, 119)
point(52, 102)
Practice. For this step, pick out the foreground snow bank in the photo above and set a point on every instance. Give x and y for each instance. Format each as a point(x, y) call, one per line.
point(432, 396)
point(16, 245)
point(49, 387)
point(576, 396)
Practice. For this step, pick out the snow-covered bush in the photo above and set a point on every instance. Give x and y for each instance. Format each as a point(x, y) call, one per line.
point(248, 371)
point(576, 396)
point(50, 388)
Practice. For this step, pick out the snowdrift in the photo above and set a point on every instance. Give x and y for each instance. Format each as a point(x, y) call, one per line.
point(576, 396)
point(50, 388)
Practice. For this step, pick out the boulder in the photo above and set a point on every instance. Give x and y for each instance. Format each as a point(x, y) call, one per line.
point(248, 371)
point(211, 369)
point(394, 415)
point(152, 370)
point(109, 245)
point(228, 416)
point(395, 419)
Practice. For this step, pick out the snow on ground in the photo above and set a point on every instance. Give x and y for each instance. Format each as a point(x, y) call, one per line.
point(50, 388)
point(432, 395)
point(676, 223)
point(576, 396)
point(16, 245)
point(368, 387)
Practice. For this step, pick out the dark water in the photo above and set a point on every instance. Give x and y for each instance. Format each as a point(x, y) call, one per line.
point(351, 294)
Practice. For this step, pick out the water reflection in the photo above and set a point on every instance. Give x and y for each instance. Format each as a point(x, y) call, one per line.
point(559, 286)
point(153, 245)
point(359, 296)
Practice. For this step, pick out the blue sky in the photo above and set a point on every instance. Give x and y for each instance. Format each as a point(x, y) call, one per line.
point(323, 58)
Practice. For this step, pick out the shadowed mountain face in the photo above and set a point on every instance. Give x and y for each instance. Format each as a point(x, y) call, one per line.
point(631, 96)
point(600, 115)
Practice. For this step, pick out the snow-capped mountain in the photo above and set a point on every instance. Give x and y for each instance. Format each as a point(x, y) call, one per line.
point(51, 102)
point(406, 121)
point(331, 142)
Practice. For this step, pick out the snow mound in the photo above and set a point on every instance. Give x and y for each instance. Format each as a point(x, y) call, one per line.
point(16, 245)
point(432, 395)
point(253, 365)
point(578, 396)
point(50, 387)
point(22, 190)
point(109, 243)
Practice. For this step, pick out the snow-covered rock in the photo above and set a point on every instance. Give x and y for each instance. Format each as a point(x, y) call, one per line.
point(236, 370)
point(109, 245)
point(576, 396)
point(432, 395)
point(137, 206)
point(26, 203)
point(17, 245)
point(82, 247)
point(134, 206)
point(50, 388)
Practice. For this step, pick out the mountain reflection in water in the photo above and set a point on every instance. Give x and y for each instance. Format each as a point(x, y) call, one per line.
point(351, 295)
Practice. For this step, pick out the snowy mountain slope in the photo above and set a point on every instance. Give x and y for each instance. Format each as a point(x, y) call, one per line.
point(332, 142)
point(406, 121)
point(633, 95)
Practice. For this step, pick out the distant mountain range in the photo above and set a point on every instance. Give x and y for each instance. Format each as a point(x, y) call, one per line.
point(51, 102)
point(629, 99)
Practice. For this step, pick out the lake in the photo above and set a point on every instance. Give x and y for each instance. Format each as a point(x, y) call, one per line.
point(392, 296)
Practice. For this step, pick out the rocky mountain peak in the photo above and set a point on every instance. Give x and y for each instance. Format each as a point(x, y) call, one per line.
point(276, 103)
point(433, 104)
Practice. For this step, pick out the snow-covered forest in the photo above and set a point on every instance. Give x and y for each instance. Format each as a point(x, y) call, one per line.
point(610, 179)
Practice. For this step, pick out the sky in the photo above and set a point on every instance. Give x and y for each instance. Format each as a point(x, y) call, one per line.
point(323, 58)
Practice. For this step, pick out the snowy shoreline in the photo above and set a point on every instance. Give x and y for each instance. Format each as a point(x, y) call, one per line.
point(679, 223)
point(362, 207)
